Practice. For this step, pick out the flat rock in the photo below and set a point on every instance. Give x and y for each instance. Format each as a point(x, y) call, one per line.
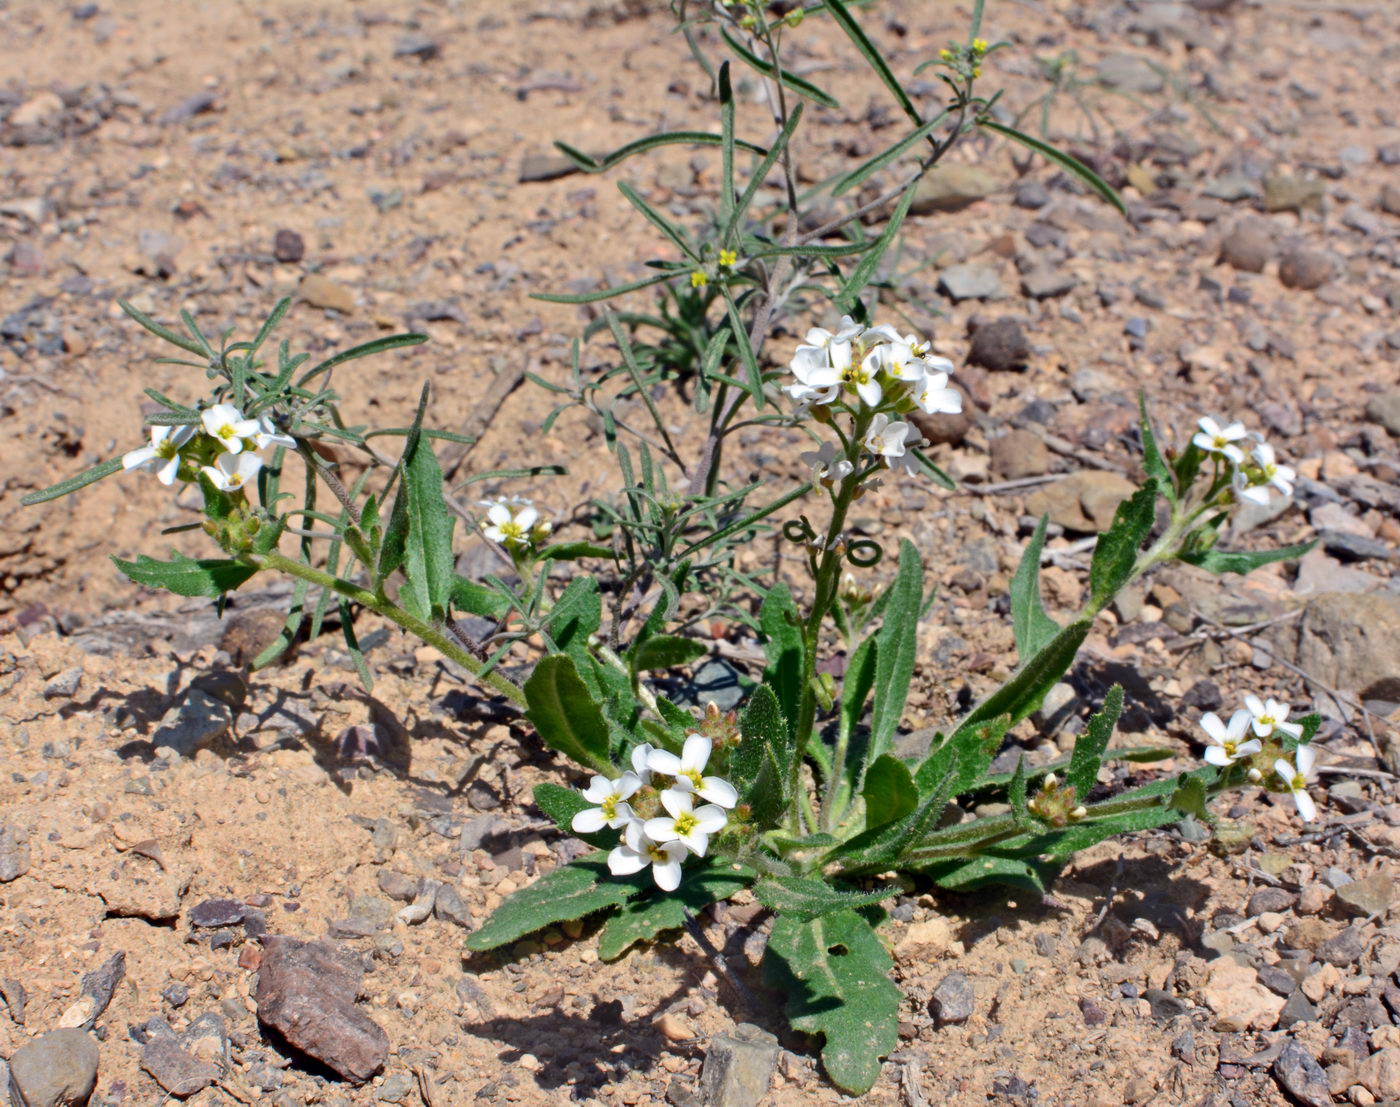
point(952, 188)
point(1370, 895)
point(1352, 642)
point(953, 1000)
point(1240, 1002)
point(197, 720)
point(1286, 193)
point(1019, 453)
point(971, 281)
point(1082, 502)
point(1306, 268)
point(14, 853)
point(173, 1069)
point(1301, 1076)
point(306, 992)
point(136, 887)
point(1130, 73)
point(739, 1067)
point(1385, 410)
point(322, 292)
point(1046, 282)
point(58, 1069)
point(1379, 1074)
point(1319, 573)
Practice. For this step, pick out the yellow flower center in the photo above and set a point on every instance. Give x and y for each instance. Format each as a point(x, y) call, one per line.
point(1220, 441)
point(235, 480)
point(1298, 783)
point(609, 807)
point(226, 432)
point(686, 823)
point(167, 449)
point(513, 531)
point(693, 775)
point(657, 854)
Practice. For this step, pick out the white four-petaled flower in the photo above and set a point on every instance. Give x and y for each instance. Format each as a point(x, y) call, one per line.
point(231, 471)
point(268, 435)
point(1254, 479)
point(1296, 778)
point(1269, 716)
point(1226, 746)
point(1215, 439)
point(225, 424)
point(886, 438)
point(685, 823)
point(611, 796)
point(514, 524)
point(637, 851)
point(689, 769)
point(934, 397)
point(827, 462)
point(162, 456)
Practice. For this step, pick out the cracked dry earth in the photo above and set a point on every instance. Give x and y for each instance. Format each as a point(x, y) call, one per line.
point(185, 845)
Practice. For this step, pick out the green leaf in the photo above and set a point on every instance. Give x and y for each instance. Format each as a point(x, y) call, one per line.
point(835, 974)
point(726, 111)
point(1092, 742)
point(365, 349)
point(659, 221)
point(1065, 161)
point(889, 791)
point(1190, 798)
point(1032, 627)
point(561, 805)
point(639, 146)
point(782, 630)
point(968, 876)
point(572, 551)
point(666, 651)
point(159, 331)
point(1152, 461)
point(476, 599)
point(882, 159)
point(187, 576)
point(1023, 693)
point(569, 892)
point(642, 919)
point(898, 640)
point(72, 484)
point(565, 714)
point(876, 60)
point(761, 171)
point(860, 276)
point(794, 82)
point(805, 898)
point(1116, 552)
point(577, 614)
point(1242, 561)
point(429, 564)
point(1016, 792)
point(602, 293)
point(761, 765)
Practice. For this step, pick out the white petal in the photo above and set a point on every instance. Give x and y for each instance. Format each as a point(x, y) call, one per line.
point(1209, 426)
point(1214, 727)
point(1306, 758)
point(1234, 432)
point(216, 476)
point(1203, 441)
point(710, 819)
point(696, 753)
point(664, 761)
point(660, 830)
point(840, 354)
point(134, 459)
point(1285, 771)
point(1255, 494)
point(870, 391)
point(817, 336)
point(589, 821)
point(1307, 809)
point(623, 815)
point(1255, 705)
point(1293, 730)
point(640, 762)
point(1234, 453)
point(167, 473)
point(667, 875)
point(697, 841)
point(936, 364)
point(624, 861)
point(499, 514)
point(718, 791)
point(599, 789)
point(678, 801)
point(627, 784)
point(495, 534)
point(1216, 755)
point(1245, 749)
point(1238, 725)
point(527, 517)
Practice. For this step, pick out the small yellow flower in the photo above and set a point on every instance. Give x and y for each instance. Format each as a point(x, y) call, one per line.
point(728, 259)
point(698, 279)
point(946, 55)
point(977, 71)
point(979, 46)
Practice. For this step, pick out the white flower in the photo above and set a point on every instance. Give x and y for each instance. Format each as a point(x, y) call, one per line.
point(162, 456)
point(514, 523)
point(611, 796)
point(1296, 780)
point(885, 438)
point(1226, 747)
point(1252, 482)
point(934, 397)
point(686, 824)
point(827, 462)
point(864, 377)
point(901, 362)
point(883, 333)
point(1269, 716)
point(845, 332)
point(1215, 439)
point(819, 371)
point(225, 424)
point(689, 768)
point(638, 851)
point(640, 768)
point(232, 470)
point(268, 435)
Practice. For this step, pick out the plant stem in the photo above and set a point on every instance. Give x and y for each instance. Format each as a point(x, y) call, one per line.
point(432, 635)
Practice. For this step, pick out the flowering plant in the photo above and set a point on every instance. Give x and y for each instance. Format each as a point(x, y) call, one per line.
point(803, 796)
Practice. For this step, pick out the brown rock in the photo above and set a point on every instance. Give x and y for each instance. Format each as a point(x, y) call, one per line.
point(306, 992)
point(1239, 1001)
point(40, 109)
point(1083, 501)
point(1390, 199)
point(1351, 641)
point(1247, 247)
point(1019, 453)
point(288, 246)
point(1000, 345)
point(1285, 193)
point(1379, 1074)
point(322, 292)
point(1305, 268)
point(951, 188)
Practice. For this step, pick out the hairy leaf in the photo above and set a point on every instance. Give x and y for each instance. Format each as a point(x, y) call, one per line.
point(569, 892)
point(428, 561)
point(1032, 627)
point(1242, 561)
point(562, 804)
point(804, 898)
point(566, 715)
point(1091, 743)
point(187, 576)
point(761, 765)
point(666, 651)
point(778, 619)
point(1116, 552)
point(1023, 693)
point(645, 917)
point(889, 791)
point(72, 484)
point(1152, 461)
point(898, 640)
point(967, 876)
point(477, 599)
point(835, 974)
point(794, 82)
point(876, 60)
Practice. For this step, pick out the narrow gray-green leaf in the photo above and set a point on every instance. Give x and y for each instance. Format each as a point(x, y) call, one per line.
point(1030, 625)
point(1065, 161)
point(898, 644)
point(1116, 551)
point(794, 82)
point(873, 57)
point(1023, 693)
point(72, 484)
point(602, 293)
point(1242, 561)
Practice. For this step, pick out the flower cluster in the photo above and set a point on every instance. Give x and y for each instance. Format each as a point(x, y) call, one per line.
point(1252, 738)
point(659, 829)
point(223, 447)
point(515, 523)
point(877, 374)
point(1252, 474)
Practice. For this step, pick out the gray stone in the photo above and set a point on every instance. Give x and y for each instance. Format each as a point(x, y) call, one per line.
point(306, 992)
point(1165, 1006)
point(1370, 895)
point(1271, 899)
point(1046, 282)
point(175, 1070)
point(1306, 268)
point(14, 853)
point(951, 187)
point(716, 681)
point(449, 907)
point(1130, 73)
point(58, 1069)
point(397, 885)
point(397, 1087)
point(971, 281)
point(1319, 574)
point(417, 45)
point(213, 913)
point(1385, 410)
point(1248, 246)
point(1346, 546)
point(1031, 195)
point(101, 984)
point(1019, 453)
point(1346, 948)
point(1000, 345)
point(953, 1000)
point(1301, 1076)
point(1058, 705)
point(1285, 193)
point(64, 686)
point(1352, 642)
point(1390, 199)
point(288, 246)
point(739, 1067)
point(1298, 1009)
point(193, 723)
point(1233, 187)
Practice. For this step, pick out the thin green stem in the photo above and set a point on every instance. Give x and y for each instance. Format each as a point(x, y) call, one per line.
point(432, 635)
